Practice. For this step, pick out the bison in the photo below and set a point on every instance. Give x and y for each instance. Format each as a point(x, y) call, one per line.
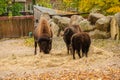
point(68, 32)
point(80, 41)
point(43, 36)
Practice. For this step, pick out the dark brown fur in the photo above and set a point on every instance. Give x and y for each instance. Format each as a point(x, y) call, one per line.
point(43, 36)
point(80, 41)
point(68, 32)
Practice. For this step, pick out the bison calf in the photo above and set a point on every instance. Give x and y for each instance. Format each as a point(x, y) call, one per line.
point(80, 41)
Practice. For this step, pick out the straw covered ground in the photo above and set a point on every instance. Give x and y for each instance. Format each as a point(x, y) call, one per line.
point(18, 62)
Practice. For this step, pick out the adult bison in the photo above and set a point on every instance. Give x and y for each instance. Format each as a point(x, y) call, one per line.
point(80, 41)
point(43, 36)
point(68, 32)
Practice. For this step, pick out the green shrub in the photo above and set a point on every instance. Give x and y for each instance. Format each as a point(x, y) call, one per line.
point(16, 8)
point(29, 42)
point(3, 6)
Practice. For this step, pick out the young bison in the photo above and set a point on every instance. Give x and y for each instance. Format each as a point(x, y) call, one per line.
point(80, 41)
point(43, 36)
point(68, 32)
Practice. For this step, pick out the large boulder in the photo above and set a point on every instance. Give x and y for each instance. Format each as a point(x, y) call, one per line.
point(54, 27)
point(97, 34)
point(46, 15)
point(93, 17)
point(62, 23)
point(75, 19)
point(85, 26)
point(117, 16)
point(56, 19)
point(103, 24)
point(115, 29)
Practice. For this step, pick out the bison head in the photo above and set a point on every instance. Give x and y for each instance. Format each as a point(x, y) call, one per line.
point(45, 44)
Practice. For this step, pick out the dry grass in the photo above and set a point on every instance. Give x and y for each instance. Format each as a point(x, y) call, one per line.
point(58, 65)
point(107, 44)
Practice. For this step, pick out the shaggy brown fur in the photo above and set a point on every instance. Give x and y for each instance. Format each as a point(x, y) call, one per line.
point(80, 41)
point(43, 35)
point(68, 32)
point(43, 27)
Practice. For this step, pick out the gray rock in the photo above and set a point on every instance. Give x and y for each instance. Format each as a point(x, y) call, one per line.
point(96, 34)
point(56, 19)
point(75, 19)
point(46, 15)
point(103, 24)
point(93, 17)
point(54, 27)
point(114, 29)
point(85, 25)
point(62, 23)
point(117, 16)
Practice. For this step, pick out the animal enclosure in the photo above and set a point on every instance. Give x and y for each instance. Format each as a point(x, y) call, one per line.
point(17, 26)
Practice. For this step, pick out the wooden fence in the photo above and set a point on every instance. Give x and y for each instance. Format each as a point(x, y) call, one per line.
point(17, 26)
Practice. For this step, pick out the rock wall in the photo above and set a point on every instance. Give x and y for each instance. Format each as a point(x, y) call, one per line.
point(97, 25)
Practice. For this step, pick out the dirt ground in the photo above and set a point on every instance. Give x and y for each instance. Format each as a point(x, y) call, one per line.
point(18, 62)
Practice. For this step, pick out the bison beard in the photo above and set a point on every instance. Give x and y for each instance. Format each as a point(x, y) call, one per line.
point(80, 41)
point(45, 44)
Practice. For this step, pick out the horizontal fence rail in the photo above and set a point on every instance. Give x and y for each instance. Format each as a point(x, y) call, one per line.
point(16, 26)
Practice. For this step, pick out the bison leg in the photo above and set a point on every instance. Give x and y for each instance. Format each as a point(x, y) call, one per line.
point(35, 48)
point(67, 49)
point(39, 47)
point(86, 52)
point(78, 51)
point(70, 49)
point(73, 52)
point(83, 52)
